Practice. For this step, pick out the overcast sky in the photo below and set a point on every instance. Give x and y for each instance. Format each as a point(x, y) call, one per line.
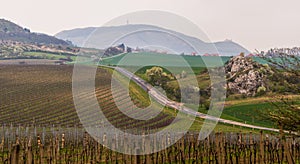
point(255, 24)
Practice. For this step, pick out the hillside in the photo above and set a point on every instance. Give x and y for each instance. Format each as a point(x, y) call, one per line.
point(13, 32)
point(145, 35)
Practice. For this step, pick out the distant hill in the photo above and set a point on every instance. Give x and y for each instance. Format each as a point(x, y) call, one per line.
point(144, 35)
point(13, 32)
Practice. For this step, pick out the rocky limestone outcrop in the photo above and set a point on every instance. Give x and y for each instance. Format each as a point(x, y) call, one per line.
point(245, 76)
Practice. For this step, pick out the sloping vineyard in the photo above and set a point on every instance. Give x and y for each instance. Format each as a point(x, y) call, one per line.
point(42, 95)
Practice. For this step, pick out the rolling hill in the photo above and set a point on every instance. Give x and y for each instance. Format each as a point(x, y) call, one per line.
point(144, 35)
point(13, 32)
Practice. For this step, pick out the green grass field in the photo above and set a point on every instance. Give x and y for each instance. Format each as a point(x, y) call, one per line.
point(167, 60)
point(249, 113)
point(245, 113)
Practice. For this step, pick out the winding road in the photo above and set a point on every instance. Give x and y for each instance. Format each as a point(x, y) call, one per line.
point(162, 99)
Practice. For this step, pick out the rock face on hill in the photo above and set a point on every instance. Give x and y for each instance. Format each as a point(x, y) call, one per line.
point(245, 76)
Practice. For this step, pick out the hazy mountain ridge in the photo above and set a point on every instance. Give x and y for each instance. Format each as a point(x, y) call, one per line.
point(144, 35)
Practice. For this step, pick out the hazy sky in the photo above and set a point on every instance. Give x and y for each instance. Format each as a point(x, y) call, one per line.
point(260, 24)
